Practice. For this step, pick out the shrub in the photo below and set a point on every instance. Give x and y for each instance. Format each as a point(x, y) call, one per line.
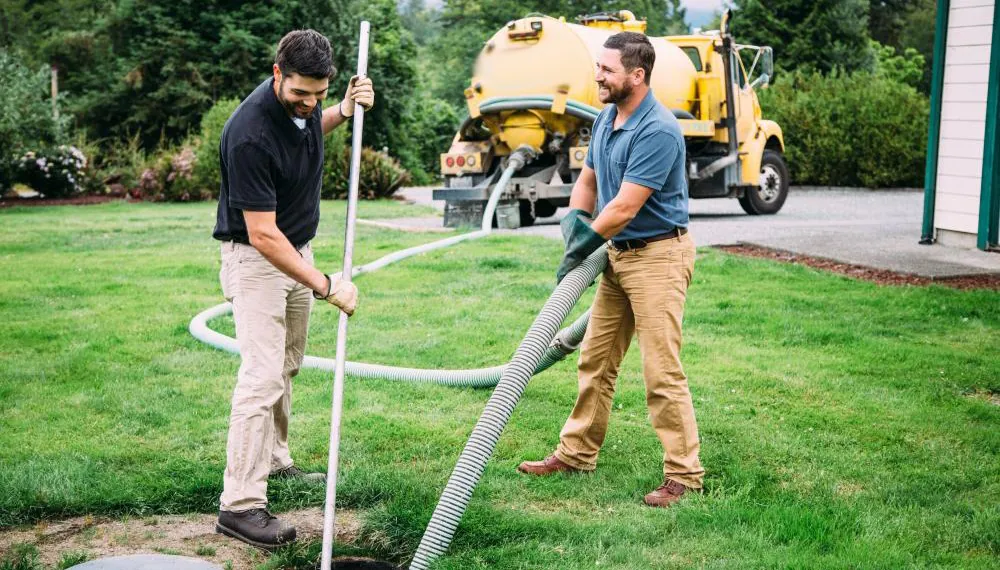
point(26, 120)
point(55, 172)
point(206, 175)
point(191, 171)
point(850, 130)
point(118, 164)
point(336, 160)
point(431, 125)
point(168, 177)
point(906, 67)
point(380, 176)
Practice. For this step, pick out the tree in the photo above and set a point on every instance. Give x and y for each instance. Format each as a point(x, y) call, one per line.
point(422, 22)
point(918, 33)
point(823, 35)
point(391, 67)
point(887, 19)
point(906, 68)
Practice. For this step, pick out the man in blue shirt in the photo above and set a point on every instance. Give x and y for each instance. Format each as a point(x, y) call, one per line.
point(634, 174)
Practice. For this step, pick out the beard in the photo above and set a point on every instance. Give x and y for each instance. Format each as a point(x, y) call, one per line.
point(615, 95)
point(294, 109)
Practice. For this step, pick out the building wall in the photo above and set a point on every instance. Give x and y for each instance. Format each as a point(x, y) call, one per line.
point(963, 115)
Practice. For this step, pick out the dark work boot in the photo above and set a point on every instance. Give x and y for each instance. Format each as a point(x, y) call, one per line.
point(293, 472)
point(256, 527)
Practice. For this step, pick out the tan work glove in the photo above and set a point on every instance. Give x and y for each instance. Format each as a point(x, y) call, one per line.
point(341, 294)
point(359, 90)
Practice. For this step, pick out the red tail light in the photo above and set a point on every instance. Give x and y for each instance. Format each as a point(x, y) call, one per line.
point(450, 161)
point(461, 161)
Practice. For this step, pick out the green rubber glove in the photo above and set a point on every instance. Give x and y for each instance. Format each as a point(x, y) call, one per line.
point(580, 240)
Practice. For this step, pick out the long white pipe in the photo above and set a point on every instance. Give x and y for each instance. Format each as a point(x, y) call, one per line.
point(329, 513)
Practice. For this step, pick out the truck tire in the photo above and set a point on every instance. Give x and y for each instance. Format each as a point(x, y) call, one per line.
point(770, 196)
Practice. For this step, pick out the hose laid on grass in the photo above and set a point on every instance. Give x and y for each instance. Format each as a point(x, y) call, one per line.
point(476, 378)
point(566, 342)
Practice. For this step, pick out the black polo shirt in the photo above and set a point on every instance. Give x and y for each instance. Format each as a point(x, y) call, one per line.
point(269, 164)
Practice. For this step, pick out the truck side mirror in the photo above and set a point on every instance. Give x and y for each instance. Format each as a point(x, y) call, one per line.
point(766, 69)
point(767, 62)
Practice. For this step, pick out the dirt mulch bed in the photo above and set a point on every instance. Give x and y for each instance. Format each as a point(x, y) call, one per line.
point(78, 201)
point(879, 276)
point(186, 535)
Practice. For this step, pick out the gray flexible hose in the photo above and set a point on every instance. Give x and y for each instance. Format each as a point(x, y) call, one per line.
point(498, 410)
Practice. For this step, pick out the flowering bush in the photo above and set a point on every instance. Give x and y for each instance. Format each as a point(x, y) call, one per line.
point(55, 172)
point(170, 178)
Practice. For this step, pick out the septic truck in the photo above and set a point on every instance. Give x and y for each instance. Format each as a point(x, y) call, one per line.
point(533, 99)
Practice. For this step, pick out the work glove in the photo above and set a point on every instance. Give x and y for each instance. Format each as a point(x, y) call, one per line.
point(340, 293)
point(581, 240)
point(359, 90)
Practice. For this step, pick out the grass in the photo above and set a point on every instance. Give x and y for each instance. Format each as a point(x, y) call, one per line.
point(843, 424)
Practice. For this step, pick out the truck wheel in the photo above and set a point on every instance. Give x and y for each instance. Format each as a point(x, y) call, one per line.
point(526, 218)
point(770, 196)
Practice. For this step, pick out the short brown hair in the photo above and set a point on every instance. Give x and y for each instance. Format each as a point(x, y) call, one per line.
point(306, 53)
point(636, 51)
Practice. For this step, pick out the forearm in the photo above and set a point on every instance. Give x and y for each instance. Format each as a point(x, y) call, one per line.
point(332, 118)
point(276, 248)
point(613, 219)
point(583, 197)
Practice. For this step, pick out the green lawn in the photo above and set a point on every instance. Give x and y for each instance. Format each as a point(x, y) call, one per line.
point(844, 425)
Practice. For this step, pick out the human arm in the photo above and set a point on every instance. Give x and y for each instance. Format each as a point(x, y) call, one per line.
point(359, 90)
point(267, 239)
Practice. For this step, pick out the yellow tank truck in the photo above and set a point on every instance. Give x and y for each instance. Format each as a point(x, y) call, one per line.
point(533, 99)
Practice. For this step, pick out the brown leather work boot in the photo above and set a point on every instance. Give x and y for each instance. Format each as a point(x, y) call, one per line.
point(666, 494)
point(547, 466)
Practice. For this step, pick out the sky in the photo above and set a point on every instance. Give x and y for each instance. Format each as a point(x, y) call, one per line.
point(699, 12)
point(702, 4)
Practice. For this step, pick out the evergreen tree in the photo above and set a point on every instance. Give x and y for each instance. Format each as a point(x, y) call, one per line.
point(808, 34)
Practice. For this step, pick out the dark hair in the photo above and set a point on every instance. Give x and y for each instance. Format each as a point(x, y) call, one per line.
point(307, 53)
point(636, 51)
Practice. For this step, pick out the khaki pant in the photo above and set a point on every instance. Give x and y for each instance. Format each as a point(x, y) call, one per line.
point(271, 311)
point(643, 292)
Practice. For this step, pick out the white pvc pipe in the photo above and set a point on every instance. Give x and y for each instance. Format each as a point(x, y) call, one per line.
point(329, 513)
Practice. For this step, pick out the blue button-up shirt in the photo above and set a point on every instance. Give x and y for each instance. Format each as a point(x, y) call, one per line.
point(648, 149)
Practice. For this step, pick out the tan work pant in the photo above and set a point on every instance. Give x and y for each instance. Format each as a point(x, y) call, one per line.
point(643, 291)
point(271, 311)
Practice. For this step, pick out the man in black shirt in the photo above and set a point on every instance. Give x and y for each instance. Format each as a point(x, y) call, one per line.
point(271, 155)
